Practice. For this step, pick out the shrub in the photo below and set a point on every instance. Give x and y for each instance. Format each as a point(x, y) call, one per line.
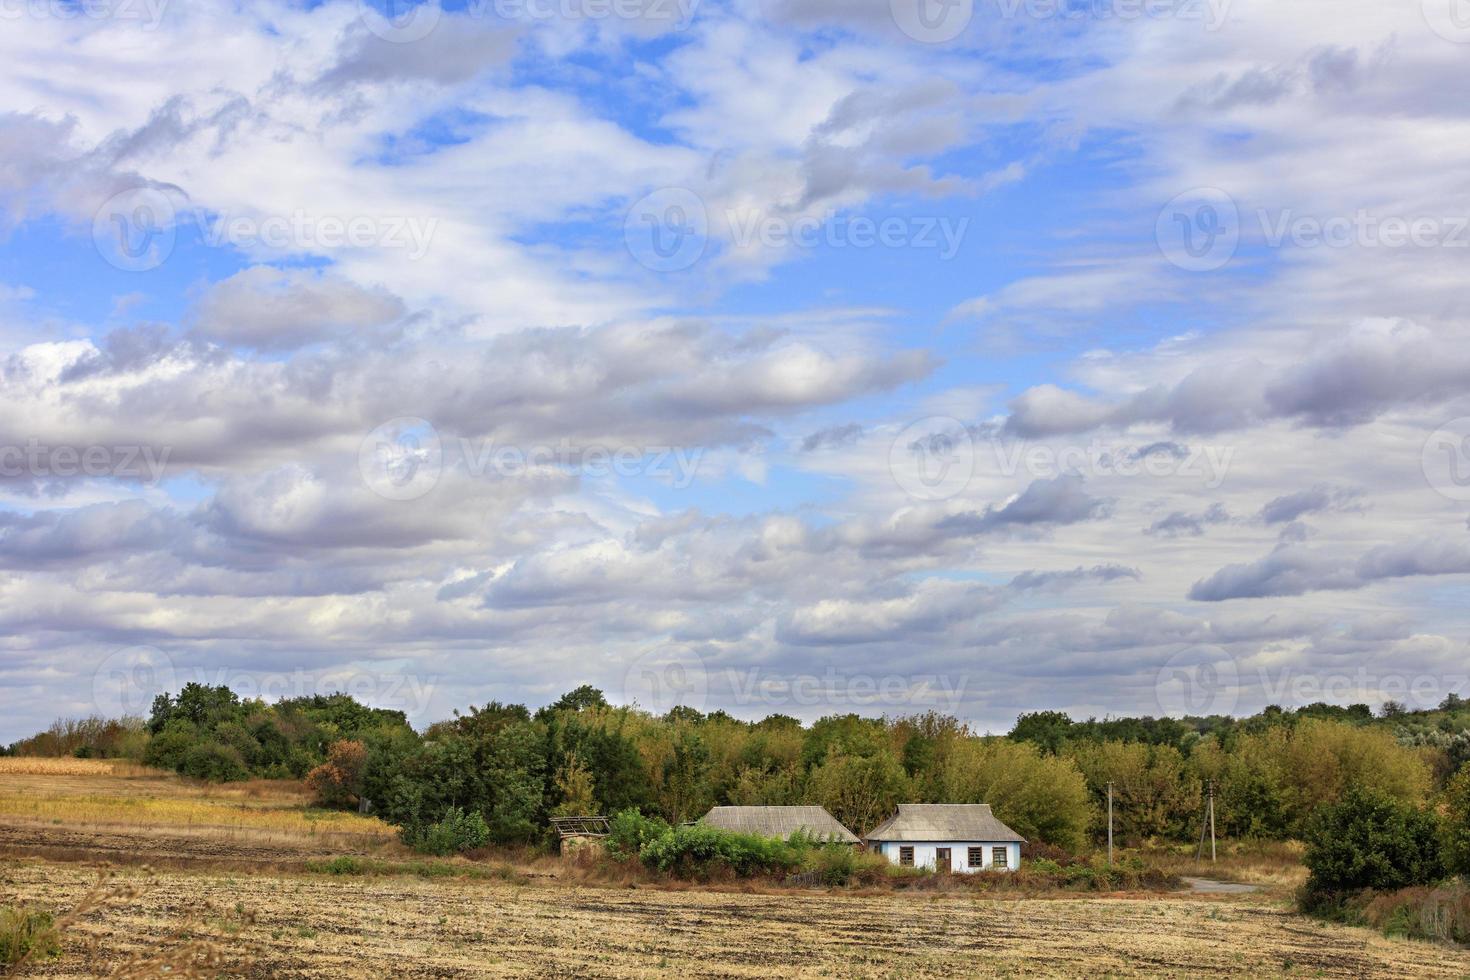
point(338, 781)
point(26, 933)
point(698, 851)
point(457, 831)
point(629, 831)
point(840, 864)
point(1457, 823)
point(167, 749)
point(214, 762)
point(1368, 840)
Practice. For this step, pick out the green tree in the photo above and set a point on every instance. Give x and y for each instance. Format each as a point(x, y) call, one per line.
point(686, 774)
point(1368, 840)
point(859, 790)
point(1456, 827)
point(1042, 797)
point(574, 786)
point(1047, 730)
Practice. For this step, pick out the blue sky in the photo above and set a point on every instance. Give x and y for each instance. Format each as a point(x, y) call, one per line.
point(1008, 366)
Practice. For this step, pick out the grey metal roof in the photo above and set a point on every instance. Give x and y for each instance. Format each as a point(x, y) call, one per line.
point(779, 821)
point(943, 822)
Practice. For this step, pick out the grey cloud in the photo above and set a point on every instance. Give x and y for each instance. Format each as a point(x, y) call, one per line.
point(1179, 523)
point(459, 48)
point(275, 309)
point(1060, 500)
point(831, 438)
point(1322, 497)
point(1341, 382)
point(1165, 448)
point(48, 539)
point(1294, 570)
point(1059, 581)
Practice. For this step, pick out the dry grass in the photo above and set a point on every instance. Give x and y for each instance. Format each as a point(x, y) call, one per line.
point(93, 810)
point(38, 766)
point(121, 796)
point(1275, 866)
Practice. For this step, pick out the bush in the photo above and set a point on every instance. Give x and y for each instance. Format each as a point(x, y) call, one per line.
point(214, 762)
point(338, 781)
point(457, 831)
point(1368, 841)
point(699, 851)
point(166, 750)
point(25, 933)
point(840, 864)
point(1457, 823)
point(629, 831)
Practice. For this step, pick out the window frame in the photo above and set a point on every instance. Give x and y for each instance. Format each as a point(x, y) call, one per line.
point(1000, 857)
point(906, 856)
point(975, 856)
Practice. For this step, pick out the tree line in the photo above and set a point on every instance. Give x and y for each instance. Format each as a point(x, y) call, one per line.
point(508, 769)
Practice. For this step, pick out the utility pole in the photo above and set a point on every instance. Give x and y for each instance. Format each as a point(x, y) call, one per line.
point(1212, 821)
point(1204, 825)
point(1110, 825)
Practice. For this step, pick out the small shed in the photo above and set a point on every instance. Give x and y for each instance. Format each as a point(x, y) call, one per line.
point(780, 821)
point(958, 837)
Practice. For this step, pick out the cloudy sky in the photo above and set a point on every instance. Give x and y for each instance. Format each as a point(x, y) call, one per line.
point(767, 355)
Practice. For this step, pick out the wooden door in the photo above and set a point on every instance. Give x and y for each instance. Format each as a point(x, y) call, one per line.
point(942, 862)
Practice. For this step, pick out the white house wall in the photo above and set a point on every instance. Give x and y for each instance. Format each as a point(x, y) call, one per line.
point(924, 854)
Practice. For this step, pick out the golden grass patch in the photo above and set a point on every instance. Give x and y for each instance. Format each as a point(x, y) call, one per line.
point(170, 813)
point(39, 766)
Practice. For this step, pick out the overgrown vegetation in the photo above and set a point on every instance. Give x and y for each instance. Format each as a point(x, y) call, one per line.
point(27, 934)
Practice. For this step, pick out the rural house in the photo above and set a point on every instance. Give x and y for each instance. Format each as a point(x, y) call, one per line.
point(960, 837)
point(780, 821)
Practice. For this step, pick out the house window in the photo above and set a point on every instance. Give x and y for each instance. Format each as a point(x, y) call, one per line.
point(906, 856)
point(998, 856)
point(977, 857)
